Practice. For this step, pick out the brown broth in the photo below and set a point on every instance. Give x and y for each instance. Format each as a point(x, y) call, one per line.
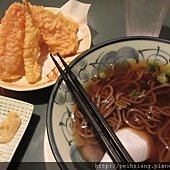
point(125, 85)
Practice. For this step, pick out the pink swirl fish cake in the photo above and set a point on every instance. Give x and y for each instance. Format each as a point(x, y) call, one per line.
point(11, 43)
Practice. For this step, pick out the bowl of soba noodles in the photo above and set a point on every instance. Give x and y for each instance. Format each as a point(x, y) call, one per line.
point(129, 81)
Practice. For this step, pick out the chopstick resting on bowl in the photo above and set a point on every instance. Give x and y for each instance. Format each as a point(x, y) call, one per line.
point(112, 144)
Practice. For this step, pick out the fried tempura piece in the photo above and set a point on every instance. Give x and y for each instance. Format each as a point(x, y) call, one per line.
point(57, 31)
point(31, 47)
point(11, 43)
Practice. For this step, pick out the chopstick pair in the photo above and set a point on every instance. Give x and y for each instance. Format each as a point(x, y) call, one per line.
point(112, 144)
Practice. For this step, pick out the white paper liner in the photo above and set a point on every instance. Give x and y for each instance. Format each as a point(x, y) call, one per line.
point(78, 12)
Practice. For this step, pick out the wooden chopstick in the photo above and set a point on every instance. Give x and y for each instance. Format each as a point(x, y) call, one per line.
point(112, 144)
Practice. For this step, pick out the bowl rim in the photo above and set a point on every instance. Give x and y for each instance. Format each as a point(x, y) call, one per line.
point(53, 146)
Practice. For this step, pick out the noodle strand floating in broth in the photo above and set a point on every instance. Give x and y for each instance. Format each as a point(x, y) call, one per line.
point(133, 98)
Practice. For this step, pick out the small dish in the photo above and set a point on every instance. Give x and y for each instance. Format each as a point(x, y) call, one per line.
point(24, 110)
point(46, 81)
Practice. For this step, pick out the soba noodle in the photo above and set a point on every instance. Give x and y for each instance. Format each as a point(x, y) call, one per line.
point(135, 99)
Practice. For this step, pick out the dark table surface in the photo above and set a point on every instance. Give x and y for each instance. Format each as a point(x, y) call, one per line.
point(106, 21)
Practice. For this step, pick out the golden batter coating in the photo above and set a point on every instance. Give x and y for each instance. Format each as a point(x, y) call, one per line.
point(57, 31)
point(22, 30)
point(31, 48)
point(12, 31)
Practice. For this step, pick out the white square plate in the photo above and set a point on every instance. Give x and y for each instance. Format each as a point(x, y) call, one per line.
point(25, 110)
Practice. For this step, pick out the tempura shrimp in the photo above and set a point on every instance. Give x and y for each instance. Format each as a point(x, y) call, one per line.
point(57, 31)
point(11, 43)
point(31, 47)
